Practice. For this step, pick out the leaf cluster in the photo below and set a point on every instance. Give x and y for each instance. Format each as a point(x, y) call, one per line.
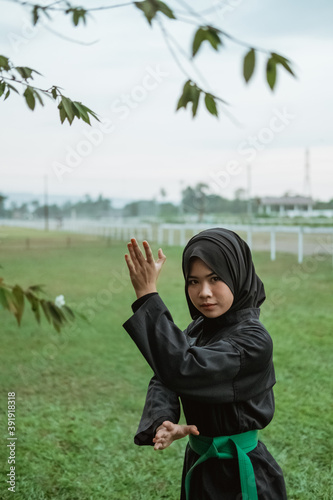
point(22, 75)
point(77, 13)
point(191, 94)
point(151, 7)
point(13, 298)
point(273, 60)
point(70, 109)
point(209, 34)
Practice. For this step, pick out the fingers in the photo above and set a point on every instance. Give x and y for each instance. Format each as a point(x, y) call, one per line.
point(193, 430)
point(136, 251)
point(134, 260)
point(149, 253)
point(169, 425)
point(161, 256)
point(129, 263)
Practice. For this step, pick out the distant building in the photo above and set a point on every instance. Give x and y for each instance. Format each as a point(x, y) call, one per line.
point(285, 205)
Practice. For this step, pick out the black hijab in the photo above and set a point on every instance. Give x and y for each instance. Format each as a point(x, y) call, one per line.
point(225, 253)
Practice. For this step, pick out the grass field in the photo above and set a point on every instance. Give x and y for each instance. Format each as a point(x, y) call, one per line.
point(79, 394)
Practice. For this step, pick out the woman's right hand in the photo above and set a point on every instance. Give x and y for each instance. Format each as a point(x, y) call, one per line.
point(143, 271)
point(169, 432)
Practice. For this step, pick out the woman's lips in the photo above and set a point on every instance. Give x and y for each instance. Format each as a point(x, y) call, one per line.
point(208, 306)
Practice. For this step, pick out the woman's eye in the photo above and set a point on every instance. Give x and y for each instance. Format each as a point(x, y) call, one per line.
point(191, 282)
point(216, 278)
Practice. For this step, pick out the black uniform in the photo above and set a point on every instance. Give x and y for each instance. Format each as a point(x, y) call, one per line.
point(221, 369)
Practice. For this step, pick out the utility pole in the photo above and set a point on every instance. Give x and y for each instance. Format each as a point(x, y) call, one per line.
point(249, 205)
point(46, 205)
point(249, 189)
point(307, 184)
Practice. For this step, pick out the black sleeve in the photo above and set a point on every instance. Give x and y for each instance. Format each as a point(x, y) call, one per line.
point(138, 303)
point(224, 371)
point(204, 373)
point(161, 404)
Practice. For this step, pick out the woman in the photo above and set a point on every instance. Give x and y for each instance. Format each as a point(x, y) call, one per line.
point(221, 368)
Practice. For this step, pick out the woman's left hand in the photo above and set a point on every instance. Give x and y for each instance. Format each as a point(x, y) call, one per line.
point(168, 432)
point(143, 271)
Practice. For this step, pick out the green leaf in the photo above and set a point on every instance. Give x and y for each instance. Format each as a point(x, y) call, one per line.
point(7, 94)
point(19, 302)
point(54, 92)
point(82, 316)
point(210, 104)
point(271, 72)
point(37, 288)
point(284, 62)
point(76, 17)
point(69, 312)
point(58, 318)
point(24, 72)
point(82, 112)
point(165, 10)
point(92, 113)
point(62, 113)
point(213, 38)
point(44, 304)
point(205, 33)
point(195, 100)
point(38, 97)
point(67, 104)
point(149, 8)
point(12, 88)
point(6, 299)
point(2, 88)
point(185, 98)
point(249, 64)
point(34, 304)
point(191, 93)
point(199, 37)
point(30, 98)
point(4, 63)
point(35, 14)
point(78, 13)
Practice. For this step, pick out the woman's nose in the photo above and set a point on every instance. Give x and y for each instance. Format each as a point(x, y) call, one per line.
point(205, 290)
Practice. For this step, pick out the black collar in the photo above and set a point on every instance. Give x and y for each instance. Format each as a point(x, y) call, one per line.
point(230, 318)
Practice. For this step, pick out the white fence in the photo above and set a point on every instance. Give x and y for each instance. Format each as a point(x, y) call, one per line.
point(301, 240)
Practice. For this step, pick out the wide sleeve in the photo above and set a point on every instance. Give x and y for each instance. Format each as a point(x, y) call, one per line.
point(203, 373)
point(161, 404)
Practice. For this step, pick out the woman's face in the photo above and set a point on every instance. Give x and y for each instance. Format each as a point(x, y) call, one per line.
point(208, 293)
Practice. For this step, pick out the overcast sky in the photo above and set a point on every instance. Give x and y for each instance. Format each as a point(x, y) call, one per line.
point(128, 77)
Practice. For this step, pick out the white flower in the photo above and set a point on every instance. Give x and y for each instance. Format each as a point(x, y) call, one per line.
point(60, 301)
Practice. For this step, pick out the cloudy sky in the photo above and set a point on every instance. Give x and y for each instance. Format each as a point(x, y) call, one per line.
point(123, 70)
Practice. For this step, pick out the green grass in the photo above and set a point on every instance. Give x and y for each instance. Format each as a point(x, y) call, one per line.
point(79, 394)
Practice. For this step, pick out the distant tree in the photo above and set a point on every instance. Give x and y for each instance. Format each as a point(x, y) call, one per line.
point(194, 199)
point(168, 210)
point(2, 205)
point(240, 194)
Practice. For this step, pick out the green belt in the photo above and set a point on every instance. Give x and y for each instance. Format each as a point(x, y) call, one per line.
point(236, 446)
